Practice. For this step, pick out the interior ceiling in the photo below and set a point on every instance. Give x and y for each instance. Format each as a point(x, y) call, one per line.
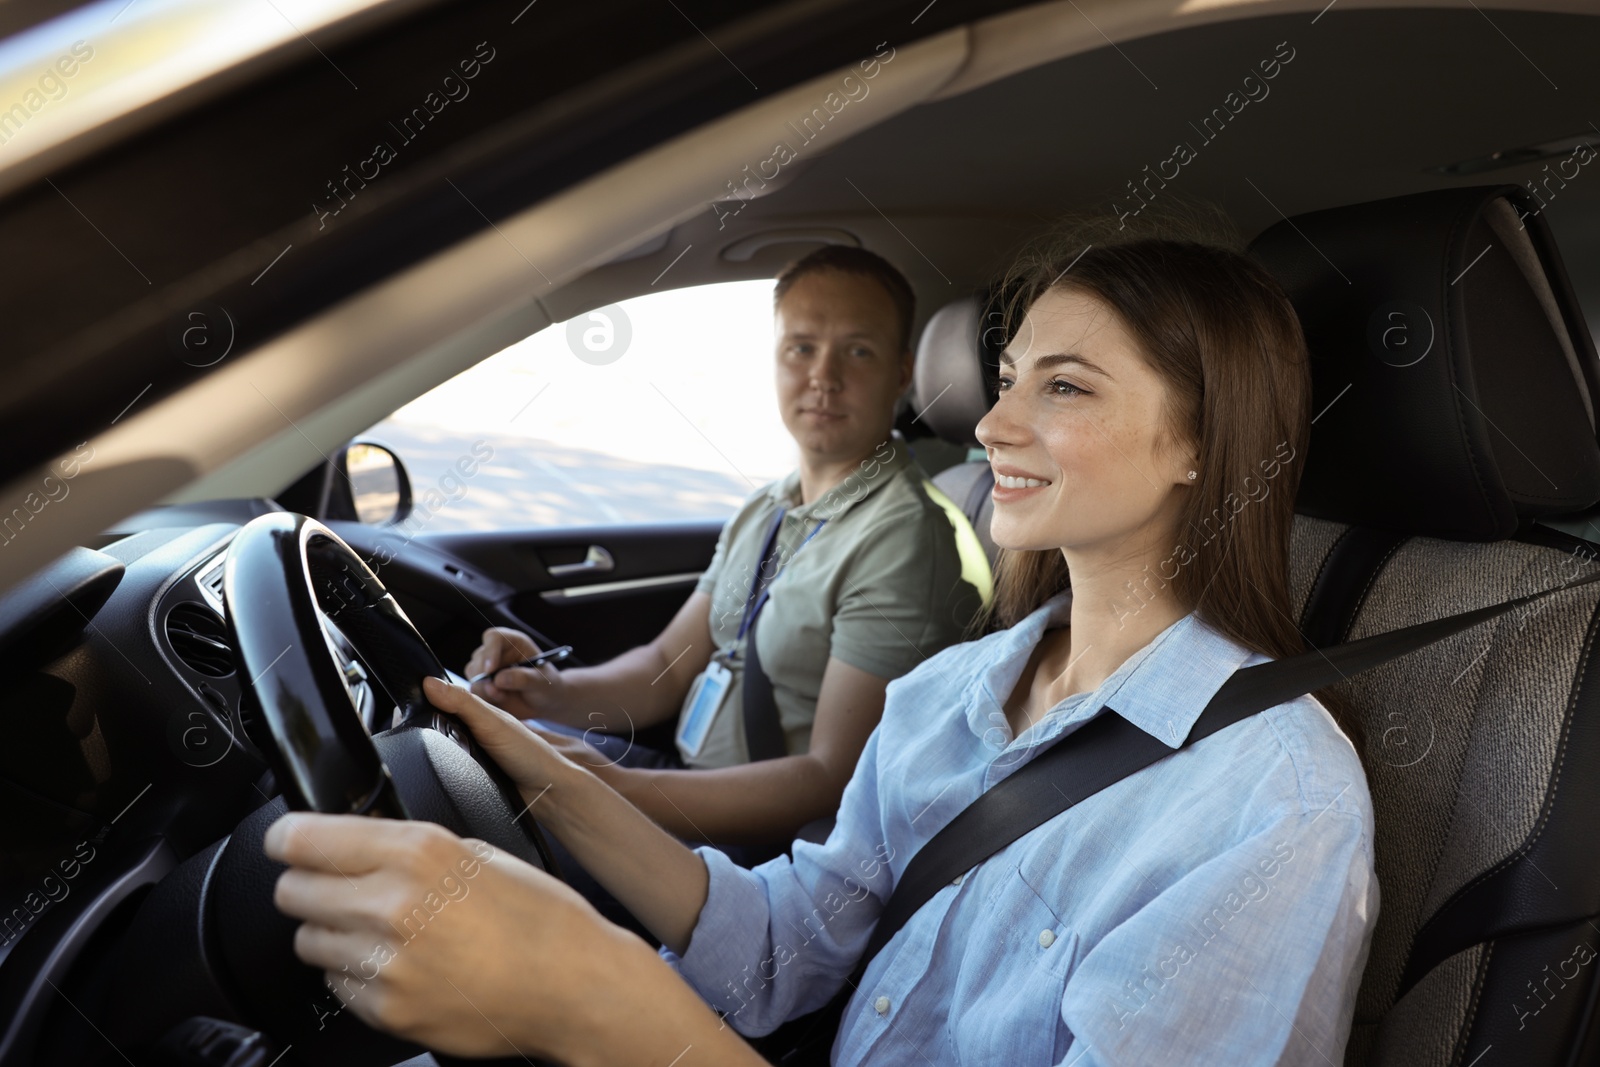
point(1370, 102)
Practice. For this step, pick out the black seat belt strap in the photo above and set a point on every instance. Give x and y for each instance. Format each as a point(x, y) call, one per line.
point(764, 738)
point(1108, 748)
point(763, 725)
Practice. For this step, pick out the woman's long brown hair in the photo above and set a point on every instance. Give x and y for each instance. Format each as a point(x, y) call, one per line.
point(1225, 339)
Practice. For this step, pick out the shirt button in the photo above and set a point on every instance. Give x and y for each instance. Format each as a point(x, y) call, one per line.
point(881, 1005)
point(1047, 938)
point(959, 878)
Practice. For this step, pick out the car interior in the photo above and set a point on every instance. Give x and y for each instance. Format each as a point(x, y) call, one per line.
point(175, 525)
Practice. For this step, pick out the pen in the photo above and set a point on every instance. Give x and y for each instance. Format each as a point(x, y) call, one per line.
point(559, 652)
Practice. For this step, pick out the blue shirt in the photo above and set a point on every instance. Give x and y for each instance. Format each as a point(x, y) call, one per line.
point(1215, 907)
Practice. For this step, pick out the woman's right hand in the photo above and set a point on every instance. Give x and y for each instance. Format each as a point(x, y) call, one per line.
point(598, 994)
point(525, 692)
point(532, 763)
point(652, 873)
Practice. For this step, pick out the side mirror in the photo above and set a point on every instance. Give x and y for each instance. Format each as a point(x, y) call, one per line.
point(369, 485)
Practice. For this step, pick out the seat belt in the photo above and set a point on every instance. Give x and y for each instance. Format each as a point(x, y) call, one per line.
point(1102, 752)
point(763, 726)
point(764, 738)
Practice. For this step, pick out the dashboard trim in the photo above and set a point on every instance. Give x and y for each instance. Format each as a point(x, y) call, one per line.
point(25, 1012)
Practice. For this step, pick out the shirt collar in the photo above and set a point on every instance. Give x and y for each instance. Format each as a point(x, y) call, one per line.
point(1165, 693)
point(885, 461)
point(1161, 689)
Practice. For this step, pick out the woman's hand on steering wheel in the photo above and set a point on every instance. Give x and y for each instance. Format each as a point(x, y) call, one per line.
point(532, 763)
point(498, 934)
point(525, 692)
point(470, 951)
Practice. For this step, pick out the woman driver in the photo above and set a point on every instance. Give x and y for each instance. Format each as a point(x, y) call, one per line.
point(1215, 907)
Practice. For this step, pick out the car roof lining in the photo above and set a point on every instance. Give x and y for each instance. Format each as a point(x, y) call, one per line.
point(990, 51)
point(354, 364)
point(339, 370)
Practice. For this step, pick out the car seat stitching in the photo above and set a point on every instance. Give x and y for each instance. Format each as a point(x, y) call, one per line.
point(1361, 601)
point(1550, 794)
point(1566, 735)
point(1487, 657)
point(1453, 818)
point(1559, 763)
point(1316, 580)
point(1561, 748)
point(1480, 979)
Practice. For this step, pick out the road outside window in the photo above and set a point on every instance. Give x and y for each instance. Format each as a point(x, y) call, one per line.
point(659, 408)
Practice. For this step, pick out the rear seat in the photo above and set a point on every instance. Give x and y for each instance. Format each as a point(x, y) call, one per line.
point(1454, 405)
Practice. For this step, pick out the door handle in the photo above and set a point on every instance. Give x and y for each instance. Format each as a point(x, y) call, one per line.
point(596, 561)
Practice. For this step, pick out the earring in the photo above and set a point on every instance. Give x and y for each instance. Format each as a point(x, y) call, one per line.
point(1193, 475)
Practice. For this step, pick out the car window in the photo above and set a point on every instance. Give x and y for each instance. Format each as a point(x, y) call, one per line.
point(657, 408)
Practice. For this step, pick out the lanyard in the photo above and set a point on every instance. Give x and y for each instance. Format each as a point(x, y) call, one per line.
point(760, 590)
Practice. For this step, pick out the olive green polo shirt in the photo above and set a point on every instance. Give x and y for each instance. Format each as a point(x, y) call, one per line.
point(894, 575)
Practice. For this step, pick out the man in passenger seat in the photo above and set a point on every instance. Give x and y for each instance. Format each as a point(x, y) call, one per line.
point(846, 574)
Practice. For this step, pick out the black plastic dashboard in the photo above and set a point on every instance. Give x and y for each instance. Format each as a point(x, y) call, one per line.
point(112, 773)
point(125, 751)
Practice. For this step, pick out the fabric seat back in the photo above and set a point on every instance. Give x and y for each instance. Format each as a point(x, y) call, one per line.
point(1455, 387)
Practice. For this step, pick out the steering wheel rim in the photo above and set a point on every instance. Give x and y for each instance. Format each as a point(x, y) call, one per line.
point(281, 568)
point(293, 697)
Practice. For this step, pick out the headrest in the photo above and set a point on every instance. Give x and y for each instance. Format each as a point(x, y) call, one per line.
point(1454, 380)
point(950, 391)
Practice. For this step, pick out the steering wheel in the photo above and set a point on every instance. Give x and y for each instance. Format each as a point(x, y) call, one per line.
point(281, 570)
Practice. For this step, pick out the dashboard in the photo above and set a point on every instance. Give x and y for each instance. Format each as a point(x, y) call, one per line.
point(128, 750)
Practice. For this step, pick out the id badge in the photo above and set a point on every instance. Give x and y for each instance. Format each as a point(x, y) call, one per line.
point(709, 691)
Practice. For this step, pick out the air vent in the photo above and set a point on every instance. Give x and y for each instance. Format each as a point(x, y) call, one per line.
point(210, 583)
point(199, 638)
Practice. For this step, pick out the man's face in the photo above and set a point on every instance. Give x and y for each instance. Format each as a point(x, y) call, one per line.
point(840, 370)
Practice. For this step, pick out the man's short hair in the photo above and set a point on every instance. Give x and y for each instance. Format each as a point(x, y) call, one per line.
point(850, 260)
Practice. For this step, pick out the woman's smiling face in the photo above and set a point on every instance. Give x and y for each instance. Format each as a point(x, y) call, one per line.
point(1075, 438)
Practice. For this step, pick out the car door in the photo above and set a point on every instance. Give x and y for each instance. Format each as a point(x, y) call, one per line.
point(600, 589)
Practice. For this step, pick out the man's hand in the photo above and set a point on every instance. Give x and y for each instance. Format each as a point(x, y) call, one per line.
point(435, 938)
point(526, 692)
